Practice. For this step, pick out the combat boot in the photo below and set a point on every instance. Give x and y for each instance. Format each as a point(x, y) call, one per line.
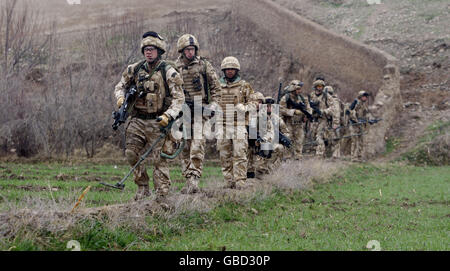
point(191, 186)
point(142, 192)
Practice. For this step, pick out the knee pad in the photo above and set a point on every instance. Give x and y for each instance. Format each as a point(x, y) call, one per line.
point(132, 156)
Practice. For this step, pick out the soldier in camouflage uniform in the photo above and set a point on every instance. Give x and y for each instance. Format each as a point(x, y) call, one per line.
point(326, 115)
point(200, 80)
point(159, 101)
point(359, 112)
point(334, 146)
point(259, 147)
point(232, 141)
point(267, 165)
point(294, 118)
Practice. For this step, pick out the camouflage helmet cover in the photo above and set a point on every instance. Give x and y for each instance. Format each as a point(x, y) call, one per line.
point(269, 100)
point(295, 84)
point(258, 96)
point(363, 93)
point(318, 83)
point(185, 41)
point(153, 39)
point(230, 62)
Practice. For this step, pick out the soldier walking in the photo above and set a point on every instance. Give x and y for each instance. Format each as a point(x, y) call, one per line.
point(295, 118)
point(199, 80)
point(159, 101)
point(325, 115)
point(232, 141)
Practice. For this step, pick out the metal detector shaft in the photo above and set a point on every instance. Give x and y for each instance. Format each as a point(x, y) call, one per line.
point(120, 185)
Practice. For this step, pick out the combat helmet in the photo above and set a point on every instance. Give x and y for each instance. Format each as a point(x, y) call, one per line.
point(318, 83)
point(295, 84)
point(269, 100)
point(258, 96)
point(363, 93)
point(153, 39)
point(185, 41)
point(230, 62)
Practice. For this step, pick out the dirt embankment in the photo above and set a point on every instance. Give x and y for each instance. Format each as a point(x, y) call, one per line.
point(417, 34)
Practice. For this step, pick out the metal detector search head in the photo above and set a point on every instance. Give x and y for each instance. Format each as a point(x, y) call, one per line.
point(118, 185)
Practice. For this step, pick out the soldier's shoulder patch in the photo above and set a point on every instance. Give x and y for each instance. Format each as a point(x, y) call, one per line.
point(173, 75)
point(171, 72)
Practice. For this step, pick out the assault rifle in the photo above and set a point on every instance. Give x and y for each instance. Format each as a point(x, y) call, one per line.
point(284, 140)
point(279, 93)
point(191, 105)
point(300, 106)
point(253, 143)
point(365, 121)
point(204, 109)
point(315, 108)
point(122, 114)
point(313, 142)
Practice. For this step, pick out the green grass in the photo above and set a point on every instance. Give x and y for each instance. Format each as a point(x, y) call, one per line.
point(391, 145)
point(60, 181)
point(421, 154)
point(403, 207)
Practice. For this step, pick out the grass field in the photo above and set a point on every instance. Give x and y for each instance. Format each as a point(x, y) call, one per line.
point(402, 207)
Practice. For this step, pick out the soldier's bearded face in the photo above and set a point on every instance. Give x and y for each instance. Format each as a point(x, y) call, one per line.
point(150, 53)
point(230, 73)
point(298, 91)
point(189, 52)
point(364, 98)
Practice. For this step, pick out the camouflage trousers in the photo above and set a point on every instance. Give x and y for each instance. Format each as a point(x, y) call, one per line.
point(277, 156)
point(297, 132)
point(140, 135)
point(334, 146)
point(345, 143)
point(268, 165)
point(318, 134)
point(192, 157)
point(251, 158)
point(233, 152)
point(357, 142)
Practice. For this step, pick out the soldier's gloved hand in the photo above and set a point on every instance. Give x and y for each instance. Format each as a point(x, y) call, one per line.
point(120, 101)
point(240, 108)
point(297, 112)
point(163, 120)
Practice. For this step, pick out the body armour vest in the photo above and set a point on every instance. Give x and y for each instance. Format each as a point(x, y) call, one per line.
point(151, 90)
point(321, 102)
point(233, 93)
point(193, 75)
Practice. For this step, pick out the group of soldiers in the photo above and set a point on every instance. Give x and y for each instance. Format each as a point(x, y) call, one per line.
point(245, 151)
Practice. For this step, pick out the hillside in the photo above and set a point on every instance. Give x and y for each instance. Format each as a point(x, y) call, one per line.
point(414, 32)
